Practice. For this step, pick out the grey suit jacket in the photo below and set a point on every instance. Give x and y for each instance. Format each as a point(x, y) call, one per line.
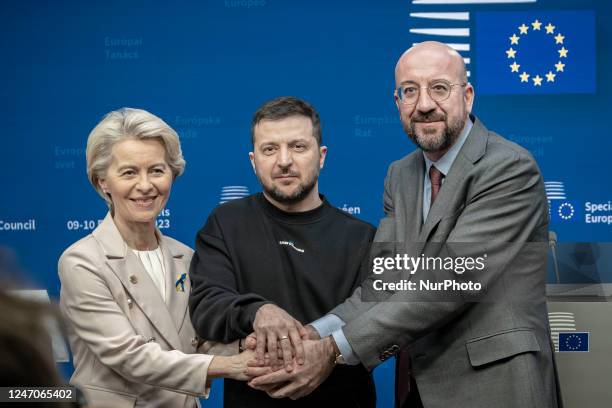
point(466, 354)
point(130, 347)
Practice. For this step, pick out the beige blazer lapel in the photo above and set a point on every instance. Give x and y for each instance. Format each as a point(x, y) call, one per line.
point(137, 282)
point(176, 298)
point(472, 150)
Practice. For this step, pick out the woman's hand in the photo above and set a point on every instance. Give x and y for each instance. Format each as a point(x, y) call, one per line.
point(239, 365)
point(235, 367)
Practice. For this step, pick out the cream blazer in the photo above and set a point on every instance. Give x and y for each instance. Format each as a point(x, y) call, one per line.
point(130, 348)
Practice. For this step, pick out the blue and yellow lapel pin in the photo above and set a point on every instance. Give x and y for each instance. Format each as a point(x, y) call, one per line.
point(180, 283)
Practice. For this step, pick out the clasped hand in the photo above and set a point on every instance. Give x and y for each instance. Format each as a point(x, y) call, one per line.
point(280, 335)
point(304, 370)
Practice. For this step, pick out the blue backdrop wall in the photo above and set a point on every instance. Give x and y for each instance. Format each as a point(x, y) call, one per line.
point(205, 67)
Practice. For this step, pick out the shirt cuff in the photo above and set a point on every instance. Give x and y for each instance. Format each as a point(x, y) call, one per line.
point(327, 324)
point(349, 356)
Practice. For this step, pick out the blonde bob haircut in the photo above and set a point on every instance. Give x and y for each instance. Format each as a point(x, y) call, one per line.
point(123, 124)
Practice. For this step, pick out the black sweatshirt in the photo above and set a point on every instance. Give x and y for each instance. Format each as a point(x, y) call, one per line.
point(250, 253)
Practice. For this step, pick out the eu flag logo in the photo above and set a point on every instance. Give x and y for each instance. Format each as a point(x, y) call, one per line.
point(535, 52)
point(565, 211)
point(574, 341)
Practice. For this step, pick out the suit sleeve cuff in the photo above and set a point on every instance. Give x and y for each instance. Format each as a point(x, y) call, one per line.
point(349, 356)
point(327, 324)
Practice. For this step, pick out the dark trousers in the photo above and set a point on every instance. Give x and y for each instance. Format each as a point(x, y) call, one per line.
point(406, 390)
point(413, 400)
point(346, 387)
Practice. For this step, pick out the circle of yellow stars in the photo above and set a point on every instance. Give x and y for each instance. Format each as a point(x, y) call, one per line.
point(574, 346)
point(524, 75)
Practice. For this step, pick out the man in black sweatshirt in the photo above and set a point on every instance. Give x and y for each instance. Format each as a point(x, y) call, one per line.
point(274, 261)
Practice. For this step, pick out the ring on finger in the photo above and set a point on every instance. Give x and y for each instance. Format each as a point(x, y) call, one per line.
point(284, 338)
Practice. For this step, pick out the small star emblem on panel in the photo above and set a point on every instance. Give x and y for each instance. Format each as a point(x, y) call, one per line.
point(559, 38)
point(559, 66)
point(537, 80)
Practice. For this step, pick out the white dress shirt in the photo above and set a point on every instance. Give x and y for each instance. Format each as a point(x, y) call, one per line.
point(153, 262)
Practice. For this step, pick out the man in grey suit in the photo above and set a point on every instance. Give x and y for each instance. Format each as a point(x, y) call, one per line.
point(464, 185)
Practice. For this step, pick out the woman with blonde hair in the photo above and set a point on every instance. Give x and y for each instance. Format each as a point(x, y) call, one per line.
point(124, 286)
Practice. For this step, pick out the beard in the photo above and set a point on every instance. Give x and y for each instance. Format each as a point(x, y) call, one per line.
point(300, 193)
point(427, 140)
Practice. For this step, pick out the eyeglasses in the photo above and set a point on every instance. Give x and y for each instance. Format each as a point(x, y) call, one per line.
point(438, 91)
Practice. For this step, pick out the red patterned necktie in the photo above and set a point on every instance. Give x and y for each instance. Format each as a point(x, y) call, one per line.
point(403, 379)
point(435, 176)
